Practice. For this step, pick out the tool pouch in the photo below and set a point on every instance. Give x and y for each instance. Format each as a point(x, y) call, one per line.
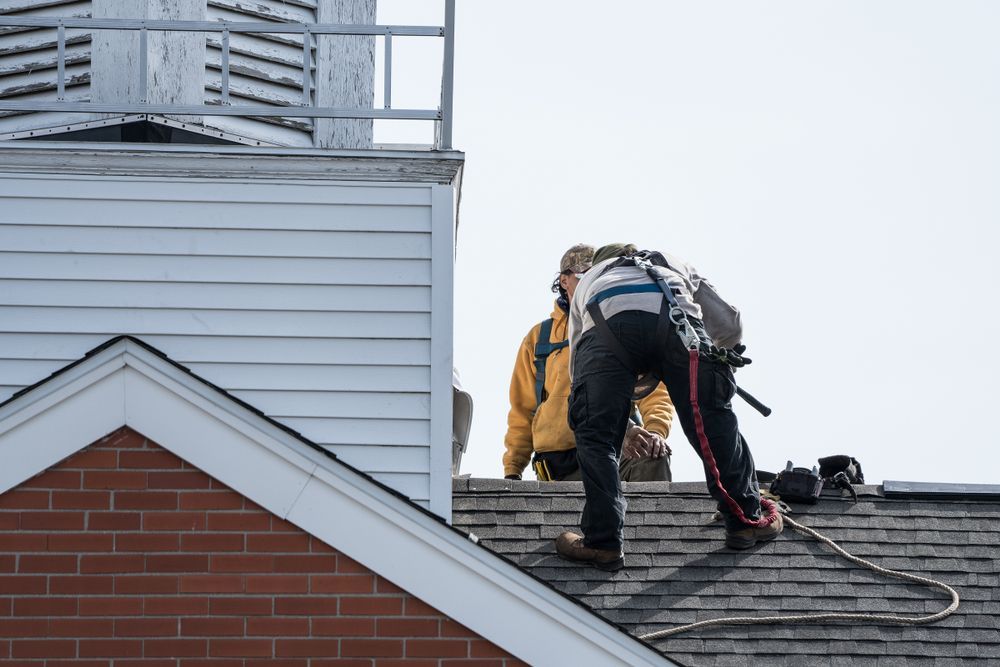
point(554, 466)
point(797, 484)
point(831, 465)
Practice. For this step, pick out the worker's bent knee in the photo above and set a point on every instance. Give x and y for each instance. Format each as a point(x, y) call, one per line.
point(645, 470)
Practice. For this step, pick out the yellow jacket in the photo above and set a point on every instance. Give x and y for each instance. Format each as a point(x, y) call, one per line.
point(548, 430)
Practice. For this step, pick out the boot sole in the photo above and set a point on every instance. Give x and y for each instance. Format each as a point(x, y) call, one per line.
point(736, 543)
point(610, 566)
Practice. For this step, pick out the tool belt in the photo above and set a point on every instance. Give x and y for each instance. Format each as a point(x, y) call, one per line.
point(554, 466)
point(798, 484)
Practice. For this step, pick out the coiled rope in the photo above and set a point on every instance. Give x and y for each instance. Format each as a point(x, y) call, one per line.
point(874, 619)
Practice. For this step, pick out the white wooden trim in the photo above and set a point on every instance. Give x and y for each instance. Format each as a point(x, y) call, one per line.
point(442, 346)
point(146, 183)
point(37, 443)
point(410, 547)
point(230, 162)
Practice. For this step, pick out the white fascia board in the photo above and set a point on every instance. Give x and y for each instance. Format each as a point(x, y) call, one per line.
point(70, 381)
point(127, 384)
point(200, 438)
point(221, 149)
point(228, 162)
point(32, 445)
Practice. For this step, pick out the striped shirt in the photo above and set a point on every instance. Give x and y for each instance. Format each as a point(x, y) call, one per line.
point(614, 290)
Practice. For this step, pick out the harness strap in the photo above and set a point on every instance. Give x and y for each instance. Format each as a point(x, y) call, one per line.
point(709, 458)
point(609, 338)
point(543, 348)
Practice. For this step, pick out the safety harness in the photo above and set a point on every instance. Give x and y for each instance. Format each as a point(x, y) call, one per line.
point(552, 466)
point(695, 341)
point(543, 348)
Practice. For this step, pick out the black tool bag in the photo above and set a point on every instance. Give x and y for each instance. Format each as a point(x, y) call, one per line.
point(797, 485)
point(555, 466)
point(842, 472)
point(829, 466)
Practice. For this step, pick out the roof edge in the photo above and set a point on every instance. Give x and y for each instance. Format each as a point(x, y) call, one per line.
point(128, 382)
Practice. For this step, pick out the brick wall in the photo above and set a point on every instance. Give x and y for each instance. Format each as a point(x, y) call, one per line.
point(124, 554)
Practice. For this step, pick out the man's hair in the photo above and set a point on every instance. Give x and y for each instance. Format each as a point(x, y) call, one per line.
point(563, 299)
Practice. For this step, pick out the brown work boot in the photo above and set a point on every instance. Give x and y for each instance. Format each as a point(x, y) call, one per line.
point(746, 538)
point(570, 546)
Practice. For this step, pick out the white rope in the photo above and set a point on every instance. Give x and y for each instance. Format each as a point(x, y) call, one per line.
point(874, 619)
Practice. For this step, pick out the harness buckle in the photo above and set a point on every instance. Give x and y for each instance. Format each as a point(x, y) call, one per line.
point(689, 336)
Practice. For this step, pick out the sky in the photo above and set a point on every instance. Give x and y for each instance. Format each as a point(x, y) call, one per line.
point(832, 167)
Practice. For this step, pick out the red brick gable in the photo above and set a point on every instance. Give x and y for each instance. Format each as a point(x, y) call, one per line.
point(124, 554)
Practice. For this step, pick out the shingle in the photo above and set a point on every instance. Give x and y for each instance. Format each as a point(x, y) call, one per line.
point(486, 484)
point(462, 503)
point(562, 488)
point(677, 570)
point(562, 504)
point(978, 650)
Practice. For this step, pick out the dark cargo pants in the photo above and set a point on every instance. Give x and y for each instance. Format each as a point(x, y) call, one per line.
point(599, 411)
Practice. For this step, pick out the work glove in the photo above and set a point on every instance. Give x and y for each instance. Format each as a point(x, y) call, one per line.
point(735, 356)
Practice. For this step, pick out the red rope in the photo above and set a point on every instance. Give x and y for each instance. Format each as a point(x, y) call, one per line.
point(709, 458)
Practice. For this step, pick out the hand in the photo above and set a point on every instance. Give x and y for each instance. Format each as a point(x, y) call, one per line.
point(512, 477)
point(640, 443)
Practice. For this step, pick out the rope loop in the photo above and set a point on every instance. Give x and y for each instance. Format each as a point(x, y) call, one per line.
point(874, 619)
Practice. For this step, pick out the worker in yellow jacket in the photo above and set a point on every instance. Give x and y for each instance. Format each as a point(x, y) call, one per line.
point(537, 426)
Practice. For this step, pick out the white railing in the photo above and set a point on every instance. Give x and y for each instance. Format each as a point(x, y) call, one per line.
point(442, 115)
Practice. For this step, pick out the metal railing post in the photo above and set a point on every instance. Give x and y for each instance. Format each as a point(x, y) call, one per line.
point(387, 82)
point(225, 65)
point(61, 62)
point(448, 76)
point(306, 68)
point(143, 54)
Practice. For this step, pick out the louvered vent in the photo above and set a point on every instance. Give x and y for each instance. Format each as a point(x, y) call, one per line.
point(264, 68)
point(28, 63)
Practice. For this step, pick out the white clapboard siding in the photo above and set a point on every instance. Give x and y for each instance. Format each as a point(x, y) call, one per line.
point(247, 243)
point(249, 296)
point(310, 301)
point(143, 321)
point(206, 269)
point(319, 378)
point(349, 431)
point(28, 63)
point(415, 487)
point(382, 459)
point(64, 348)
point(371, 405)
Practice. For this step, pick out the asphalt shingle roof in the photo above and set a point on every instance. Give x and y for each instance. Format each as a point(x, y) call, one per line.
point(678, 571)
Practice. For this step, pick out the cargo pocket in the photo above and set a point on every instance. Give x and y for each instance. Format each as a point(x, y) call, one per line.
point(725, 385)
point(578, 411)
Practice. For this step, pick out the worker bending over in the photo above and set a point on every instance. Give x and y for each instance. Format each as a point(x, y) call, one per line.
point(539, 397)
point(636, 319)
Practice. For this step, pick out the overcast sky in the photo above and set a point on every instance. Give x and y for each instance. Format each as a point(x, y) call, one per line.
point(832, 167)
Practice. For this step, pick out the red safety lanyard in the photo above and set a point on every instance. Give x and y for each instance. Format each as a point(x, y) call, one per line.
point(706, 454)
